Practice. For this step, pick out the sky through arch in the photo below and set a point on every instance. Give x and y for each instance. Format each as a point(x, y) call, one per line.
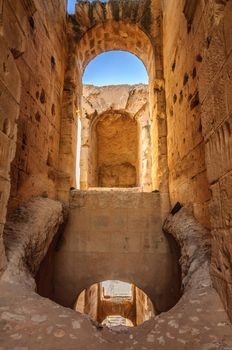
point(71, 5)
point(115, 67)
point(112, 67)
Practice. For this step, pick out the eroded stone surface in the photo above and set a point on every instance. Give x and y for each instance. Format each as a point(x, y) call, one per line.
point(188, 59)
point(198, 321)
point(197, 66)
point(27, 236)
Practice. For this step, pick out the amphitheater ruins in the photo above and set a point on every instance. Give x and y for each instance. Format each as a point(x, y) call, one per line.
point(139, 256)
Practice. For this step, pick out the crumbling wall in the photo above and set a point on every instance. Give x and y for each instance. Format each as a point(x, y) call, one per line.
point(34, 32)
point(186, 148)
point(10, 86)
point(215, 82)
point(198, 66)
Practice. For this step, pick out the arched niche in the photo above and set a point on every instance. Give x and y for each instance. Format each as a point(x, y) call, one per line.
point(113, 159)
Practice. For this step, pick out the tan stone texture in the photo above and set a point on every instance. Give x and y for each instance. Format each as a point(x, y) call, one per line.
point(186, 150)
point(37, 41)
point(198, 88)
point(186, 47)
point(117, 149)
point(10, 85)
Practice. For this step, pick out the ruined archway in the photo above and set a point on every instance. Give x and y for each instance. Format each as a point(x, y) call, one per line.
point(96, 28)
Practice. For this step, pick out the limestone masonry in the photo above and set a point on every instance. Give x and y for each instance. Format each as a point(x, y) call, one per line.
point(153, 203)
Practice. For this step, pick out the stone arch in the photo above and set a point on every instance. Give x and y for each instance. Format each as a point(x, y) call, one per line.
point(115, 298)
point(97, 28)
point(114, 35)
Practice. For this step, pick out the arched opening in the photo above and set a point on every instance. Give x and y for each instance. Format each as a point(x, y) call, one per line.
point(112, 35)
point(116, 124)
point(115, 303)
point(115, 67)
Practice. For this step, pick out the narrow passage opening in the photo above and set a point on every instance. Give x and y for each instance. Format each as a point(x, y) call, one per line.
point(115, 303)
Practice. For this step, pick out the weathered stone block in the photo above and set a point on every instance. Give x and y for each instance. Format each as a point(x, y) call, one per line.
point(215, 207)
point(4, 196)
point(226, 199)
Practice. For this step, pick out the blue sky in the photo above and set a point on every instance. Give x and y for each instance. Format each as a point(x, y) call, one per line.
point(113, 67)
point(71, 5)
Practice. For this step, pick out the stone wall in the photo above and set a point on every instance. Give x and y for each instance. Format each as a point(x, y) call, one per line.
point(10, 86)
point(186, 148)
point(32, 44)
point(35, 34)
point(117, 151)
point(198, 66)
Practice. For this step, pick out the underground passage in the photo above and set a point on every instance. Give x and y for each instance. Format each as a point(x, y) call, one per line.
point(115, 175)
point(115, 303)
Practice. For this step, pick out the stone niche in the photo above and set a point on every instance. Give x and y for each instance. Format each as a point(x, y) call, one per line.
point(114, 151)
point(115, 137)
